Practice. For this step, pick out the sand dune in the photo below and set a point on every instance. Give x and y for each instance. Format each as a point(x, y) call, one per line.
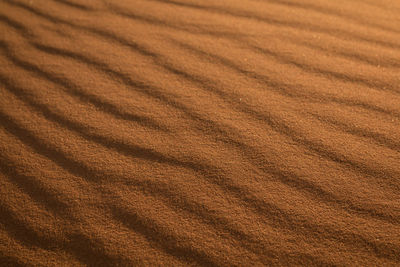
point(215, 133)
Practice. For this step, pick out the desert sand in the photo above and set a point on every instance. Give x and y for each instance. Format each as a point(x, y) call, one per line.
point(199, 133)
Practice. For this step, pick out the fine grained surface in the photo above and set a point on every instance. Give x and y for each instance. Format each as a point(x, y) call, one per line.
point(175, 133)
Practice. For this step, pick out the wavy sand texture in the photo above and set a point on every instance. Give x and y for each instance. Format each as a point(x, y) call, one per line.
point(215, 133)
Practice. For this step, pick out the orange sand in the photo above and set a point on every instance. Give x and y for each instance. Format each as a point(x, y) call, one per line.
point(183, 132)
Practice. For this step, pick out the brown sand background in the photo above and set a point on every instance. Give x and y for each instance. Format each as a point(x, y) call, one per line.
point(183, 132)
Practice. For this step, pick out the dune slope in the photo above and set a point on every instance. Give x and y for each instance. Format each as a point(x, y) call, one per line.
point(204, 133)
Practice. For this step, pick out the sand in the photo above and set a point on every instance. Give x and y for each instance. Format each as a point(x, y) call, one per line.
point(200, 133)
